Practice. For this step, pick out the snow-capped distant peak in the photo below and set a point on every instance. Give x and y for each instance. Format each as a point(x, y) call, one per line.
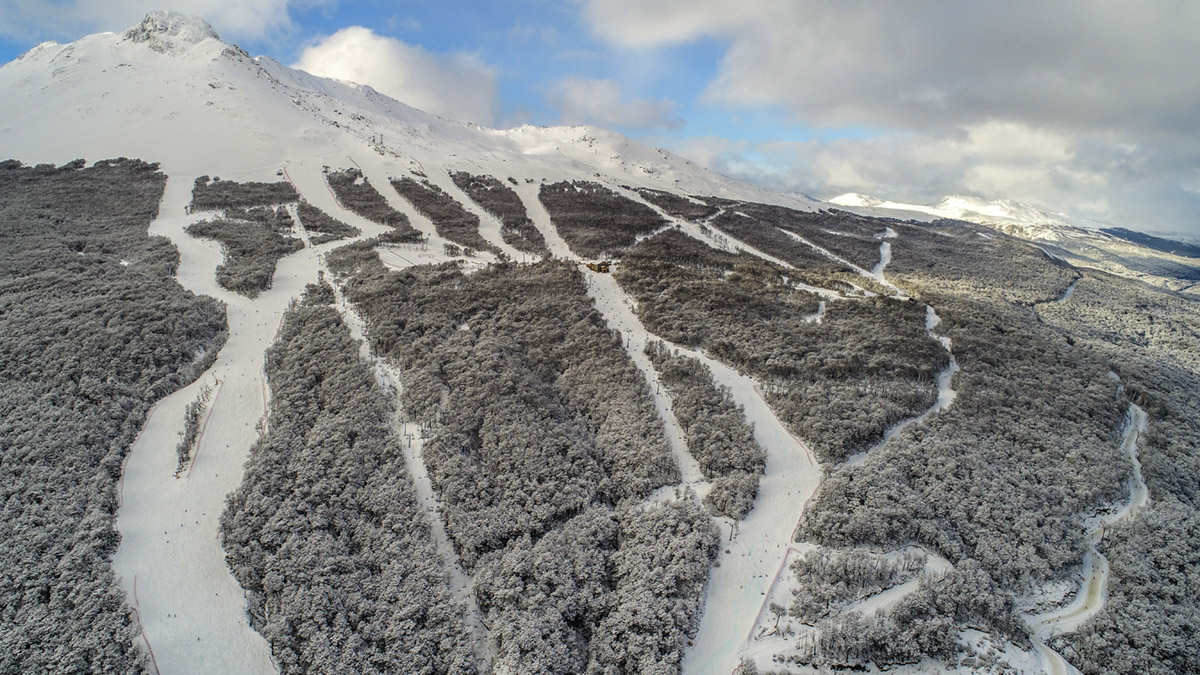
point(1002, 214)
point(856, 199)
point(170, 32)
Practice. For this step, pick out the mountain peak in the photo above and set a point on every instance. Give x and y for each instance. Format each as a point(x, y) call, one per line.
point(170, 32)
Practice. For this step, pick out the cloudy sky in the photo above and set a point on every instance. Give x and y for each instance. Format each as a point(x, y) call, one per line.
point(1089, 107)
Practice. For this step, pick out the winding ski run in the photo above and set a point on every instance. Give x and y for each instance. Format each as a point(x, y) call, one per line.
point(1093, 592)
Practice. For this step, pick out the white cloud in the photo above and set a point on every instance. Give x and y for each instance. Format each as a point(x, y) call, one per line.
point(233, 19)
point(1069, 104)
point(600, 101)
point(458, 86)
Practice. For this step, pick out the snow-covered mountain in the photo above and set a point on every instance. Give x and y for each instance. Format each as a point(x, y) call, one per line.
point(451, 445)
point(170, 91)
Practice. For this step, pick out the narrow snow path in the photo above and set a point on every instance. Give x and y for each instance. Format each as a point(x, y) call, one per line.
point(885, 257)
point(1092, 594)
point(614, 305)
point(945, 397)
point(1067, 293)
point(528, 192)
point(721, 241)
point(857, 269)
point(736, 592)
point(818, 315)
point(170, 561)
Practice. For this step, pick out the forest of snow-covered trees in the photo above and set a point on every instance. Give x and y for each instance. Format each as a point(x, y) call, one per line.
point(840, 383)
point(549, 463)
point(595, 221)
point(253, 241)
point(356, 193)
point(1149, 338)
point(451, 220)
point(93, 330)
point(325, 532)
point(717, 433)
point(503, 202)
point(982, 483)
point(542, 443)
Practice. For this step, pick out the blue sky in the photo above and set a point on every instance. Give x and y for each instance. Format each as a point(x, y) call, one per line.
point(1084, 106)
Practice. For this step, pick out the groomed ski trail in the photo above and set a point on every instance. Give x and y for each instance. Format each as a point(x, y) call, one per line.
point(191, 610)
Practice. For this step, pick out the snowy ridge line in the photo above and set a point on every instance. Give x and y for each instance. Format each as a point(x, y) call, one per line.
point(1093, 592)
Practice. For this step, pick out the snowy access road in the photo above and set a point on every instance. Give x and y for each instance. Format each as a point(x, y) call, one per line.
point(945, 397)
point(1094, 591)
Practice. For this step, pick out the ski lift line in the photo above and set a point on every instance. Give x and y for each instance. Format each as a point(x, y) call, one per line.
point(145, 638)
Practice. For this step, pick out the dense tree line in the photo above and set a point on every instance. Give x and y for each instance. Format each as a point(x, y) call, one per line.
point(252, 248)
point(595, 221)
point(325, 531)
point(830, 579)
point(848, 235)
point(451, 220)
point(1000, 482)
point(542, 439)
point(191, 428)
point(357, 194)
point(659, 573)
point(93, 330)
point(504, 203)
point(765, 227)
point(923, 624)
point(322, 227)
point(1151, 338)
point(840, 383)
point(679, 206)
point(214, 194)
point(717, 433)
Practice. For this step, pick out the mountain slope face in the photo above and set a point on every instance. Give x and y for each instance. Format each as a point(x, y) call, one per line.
point(460, 454)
